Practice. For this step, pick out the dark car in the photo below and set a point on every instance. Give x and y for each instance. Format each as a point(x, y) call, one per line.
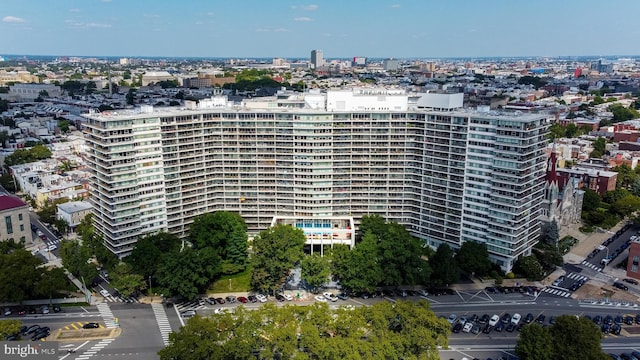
point(540, 319)
point(91, 325)
point(280, 297)
point(615, 329)
point(456, 328)
point(511, 327)
point(520, 326)
point(552, 320)
point(484, 319)
point(637, 319)
point(231, 299)
point(608, 320)
point(31, 329)
point(210, 300)
point(220, 300)
point(56, 308)
point(39, 336)
point(487, 329)
point(620, 286)
point(606, 328)
point(618, 320)
point(242, 299)
point(490, 289)
point(528, 318)
point(631, 281)
point(475, 329)
point(252, 298)
point(473, 318)
point(597, 320)
point(22, 311)
point(499, 326)
point(12, 338)
point(506, 318)
point(31, 310)
point(343, 296)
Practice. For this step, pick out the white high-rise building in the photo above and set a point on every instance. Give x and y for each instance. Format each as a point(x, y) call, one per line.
point(316, 59)
point(448, 174)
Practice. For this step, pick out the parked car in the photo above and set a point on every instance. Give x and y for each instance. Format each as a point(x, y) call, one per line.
point(211, 300)
point(456, 328)
point(329, 296)
point(280, 297)
point(452, 318)
point(104, 293)
point(56, 308)
point(484, 319)
point(494, 320)
point(188, 313)
point(31, 329)
point(343, 296)
point(320, 298)
point(220, 300)
point(467, 327)
point(94, 325)
point(242, 299)
point(7, 311)
point(515, 319)
point(620, 286)
point(44, 309)
point(252, 298)
point(261, 298)
point(506, 318)
point(287, 296)
point(528, 318)
point(39, 336)
point(475, 329)
point(230, 299)
point(540, 319)
point(631, 281)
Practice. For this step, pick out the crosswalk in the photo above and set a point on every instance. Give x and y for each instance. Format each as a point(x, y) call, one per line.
point(557, 292)
point(591, 266)
point(109, 320)
point(90, 352)
point(577, 277)
point(189, 305)
point(163, 322)
point(120, 299)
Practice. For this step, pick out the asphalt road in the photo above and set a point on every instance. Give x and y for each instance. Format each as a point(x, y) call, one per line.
point(610, 248)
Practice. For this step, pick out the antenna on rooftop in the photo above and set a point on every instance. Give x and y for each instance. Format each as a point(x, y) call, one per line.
point(109, 77)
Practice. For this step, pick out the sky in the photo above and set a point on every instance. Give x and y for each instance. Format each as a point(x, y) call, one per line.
point(340, 28)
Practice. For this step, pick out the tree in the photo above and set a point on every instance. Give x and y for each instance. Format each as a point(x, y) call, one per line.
point(600, 144)
point(50, 282)
point(315, 270)
point(626, 176)
point(9, 327)
point(404, 330)
point(63, 125)
point(4, 105)
point(78, 260)
point(473, 258)
point(189, 272)
point(530, 267)
point(151, 251)
point(4, 136)
point(535, 343)
point(23, 156)
point(626, 206)
point(576, 338)
point(224, 231)
point(131, 97)
point(591, 200)
point(276, 250)
point(443, 265)
point(127, 282)
point(551, 233)
point(362, 270)
point(25, 272)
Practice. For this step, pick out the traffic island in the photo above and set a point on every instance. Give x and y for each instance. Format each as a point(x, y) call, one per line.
point(84, 334)
point(631, 331)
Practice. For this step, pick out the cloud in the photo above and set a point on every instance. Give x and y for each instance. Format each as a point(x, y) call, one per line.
point(395, 6)
point(107, 1)
point(311, 7)
point(199, 23)
point(81, 25)
point(210, 13)
point(270, 29)
point(151, 15)
point(13, 19)
point(303, 18)
point(75, 10)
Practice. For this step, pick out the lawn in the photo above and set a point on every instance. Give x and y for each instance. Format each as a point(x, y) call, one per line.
point(232, 283)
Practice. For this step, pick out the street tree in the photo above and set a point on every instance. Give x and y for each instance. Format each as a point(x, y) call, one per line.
point(9, 327)
point(443, 266)
point(151, 251)
point(591, 200)
point(126, 281)
point(188, 272)
point(576, 338)
point(400, 255)
point(405, 330)
point(530, 267)
point(78, 260)
point(22, 272)
point(535, 343)
point(275, 252)
point(51, 280)
point(551, 233)
point(224, 231)
point(315, 270)
point(473, 258)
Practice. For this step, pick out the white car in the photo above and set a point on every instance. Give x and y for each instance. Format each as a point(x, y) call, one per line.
point(329, 296)
point(467, 327)
point(515, 319)
point(320, 298)
point(288, 297)
point(34, 251)
point(51, 247)
point(220, 311)
point(261, 298)
point(104, 293)
point(494, 320)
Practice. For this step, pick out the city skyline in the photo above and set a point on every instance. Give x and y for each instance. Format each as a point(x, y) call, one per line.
point(378, 29)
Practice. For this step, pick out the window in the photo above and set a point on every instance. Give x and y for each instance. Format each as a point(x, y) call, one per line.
point(21, 227)
point(7, 220)
point(20, 217)
point(634, 268)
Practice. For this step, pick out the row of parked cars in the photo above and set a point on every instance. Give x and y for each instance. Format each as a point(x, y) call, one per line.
point(529, 290)
point(35, 332)
point(21, 310)
point(626, 356)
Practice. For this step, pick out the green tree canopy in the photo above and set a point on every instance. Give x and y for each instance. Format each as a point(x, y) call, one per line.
point(315, 270)
point(358, 269)
point(78, 260)
point(9, 327)
point(536, 81)
point(591, 200)
point(405, 330)
point(189, 272)
point(126, 281)
point(576, 339)
point(275, 252)
point(443, 265)
point(473, 258)
point(151, 251)
point(530, 267)
point(535, 343)
point(224, 231)
point(24, 156)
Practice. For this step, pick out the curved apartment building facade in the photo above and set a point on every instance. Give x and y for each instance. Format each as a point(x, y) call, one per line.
point(447, 174)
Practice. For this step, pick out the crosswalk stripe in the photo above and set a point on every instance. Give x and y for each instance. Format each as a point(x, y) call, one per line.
point(163, 322)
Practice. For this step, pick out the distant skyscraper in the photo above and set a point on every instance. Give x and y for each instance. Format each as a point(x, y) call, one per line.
point(316, 58)
point(390, 65)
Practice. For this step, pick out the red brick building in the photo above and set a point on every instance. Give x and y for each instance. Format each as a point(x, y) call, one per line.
point(633, 264)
